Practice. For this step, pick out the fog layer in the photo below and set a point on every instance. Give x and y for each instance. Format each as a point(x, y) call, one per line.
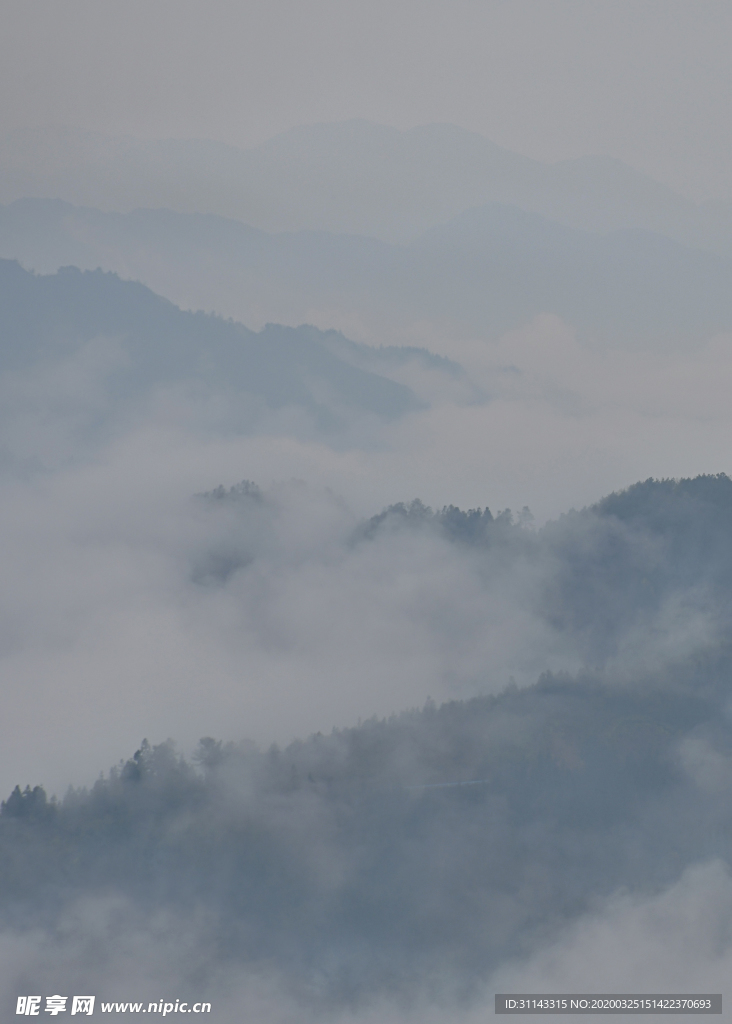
point(408, 864)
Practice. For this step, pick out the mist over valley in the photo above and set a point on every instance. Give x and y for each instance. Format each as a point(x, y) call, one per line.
point(366, 506)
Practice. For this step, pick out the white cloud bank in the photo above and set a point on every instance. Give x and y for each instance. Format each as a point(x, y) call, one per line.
point(106, 636)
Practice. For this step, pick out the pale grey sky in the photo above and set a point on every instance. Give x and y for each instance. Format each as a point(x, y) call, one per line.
point(648, 81)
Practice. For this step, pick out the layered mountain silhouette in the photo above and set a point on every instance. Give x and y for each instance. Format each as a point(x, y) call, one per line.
point(350, 177)
point(487, 270)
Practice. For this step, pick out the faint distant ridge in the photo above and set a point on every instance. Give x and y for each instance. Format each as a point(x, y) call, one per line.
point(350, 177)
point(489, 269)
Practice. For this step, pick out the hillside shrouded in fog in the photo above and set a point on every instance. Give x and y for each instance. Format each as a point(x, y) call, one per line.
point(333, 690)
point(151, 344)
point(418, 856)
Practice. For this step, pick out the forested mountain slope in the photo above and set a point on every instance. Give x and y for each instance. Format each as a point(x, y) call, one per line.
point(439, 842)
point(419, 852)
point(146, 342)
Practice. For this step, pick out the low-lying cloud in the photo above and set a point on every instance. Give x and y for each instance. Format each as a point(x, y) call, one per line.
point(116, 625)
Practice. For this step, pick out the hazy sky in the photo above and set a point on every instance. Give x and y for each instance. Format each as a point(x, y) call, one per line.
point(648, 81)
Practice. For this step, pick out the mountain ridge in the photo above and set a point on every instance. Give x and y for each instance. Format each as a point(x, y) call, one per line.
point(490, 269)
point(353, 176)
point(51, 316)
